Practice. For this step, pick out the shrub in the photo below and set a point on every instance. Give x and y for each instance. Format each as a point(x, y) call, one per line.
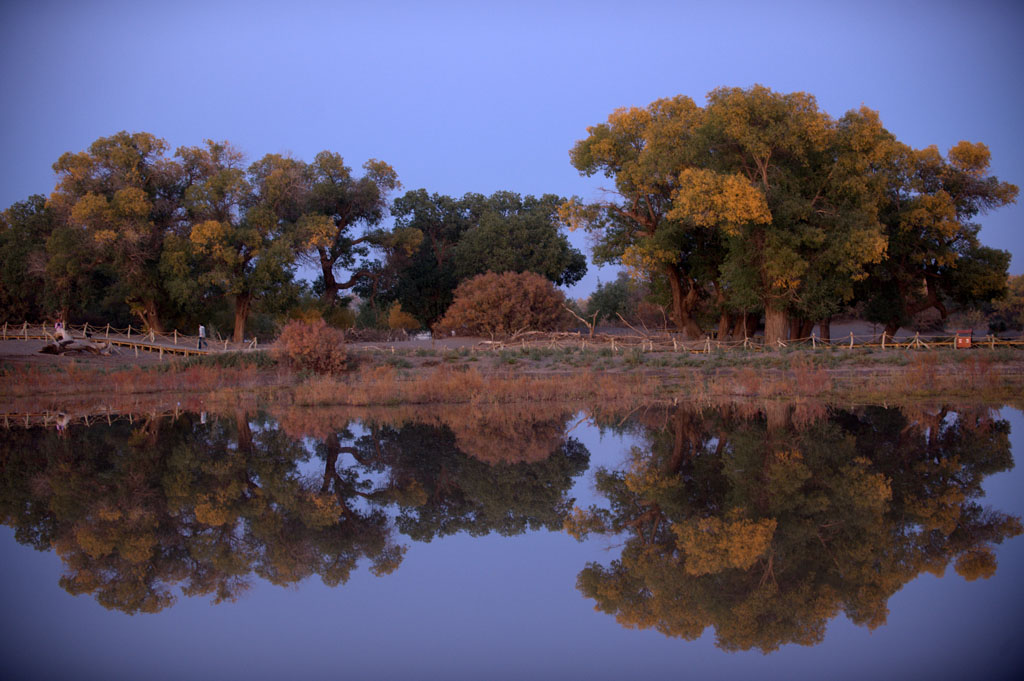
point(400, 319)
point(313, 346)
point(504, 304)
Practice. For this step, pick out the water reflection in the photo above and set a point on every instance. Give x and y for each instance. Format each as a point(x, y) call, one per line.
point(767, 525)
point(761, 523)
point(135, 510)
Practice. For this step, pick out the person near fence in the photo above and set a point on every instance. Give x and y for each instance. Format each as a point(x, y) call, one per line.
point(202, 337)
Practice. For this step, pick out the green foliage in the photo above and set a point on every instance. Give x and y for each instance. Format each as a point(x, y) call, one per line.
point(504, 304)
point(464, 237)
point(1008, 312)
point(519, 235)
point(619, 297)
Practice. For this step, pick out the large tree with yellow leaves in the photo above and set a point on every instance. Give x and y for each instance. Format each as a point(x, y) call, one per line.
point(758, 199)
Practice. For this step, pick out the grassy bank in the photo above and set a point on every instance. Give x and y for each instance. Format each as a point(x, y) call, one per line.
point(537, 375)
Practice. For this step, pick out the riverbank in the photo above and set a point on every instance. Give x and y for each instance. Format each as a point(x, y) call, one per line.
point(390, 376)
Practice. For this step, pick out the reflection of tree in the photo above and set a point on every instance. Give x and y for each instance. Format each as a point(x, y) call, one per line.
point(767, 531)
point(136, 511)
point(442, 490)
point(133, 512)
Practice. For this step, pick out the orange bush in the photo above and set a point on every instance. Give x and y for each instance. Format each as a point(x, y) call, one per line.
point(313, 346)
point(504, 304)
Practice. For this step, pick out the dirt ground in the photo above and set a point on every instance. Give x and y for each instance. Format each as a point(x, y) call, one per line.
point(26, 353)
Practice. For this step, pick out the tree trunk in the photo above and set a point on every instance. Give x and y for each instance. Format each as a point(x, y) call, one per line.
point(825, 330)
point(682, 304)
point(806, 329)
point(795, 324)
point(744, 327)
point(331, 286)
point(149, 316)
point(244, 432)
point(723, 326)
point(774, 324)
point(242, 302)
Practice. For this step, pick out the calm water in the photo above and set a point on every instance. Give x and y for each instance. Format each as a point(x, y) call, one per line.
point(793, 543)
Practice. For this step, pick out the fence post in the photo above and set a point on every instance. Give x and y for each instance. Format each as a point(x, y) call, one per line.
point(108, 331)
point(129, 330)
point(85, 330)
point(883, 340)
point(175, 336)
point(851, 340)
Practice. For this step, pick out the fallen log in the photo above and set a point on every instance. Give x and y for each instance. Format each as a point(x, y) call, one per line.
point(63, 347)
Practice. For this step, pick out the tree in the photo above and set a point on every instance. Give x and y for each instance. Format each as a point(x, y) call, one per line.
point(1008, 311)
point(24, 229)
point(934, 254)
point(644, 150)
point(336, 205)
point(123, 193)
point(519, 234)
point(614, 298)
point(461, 238)
point(238, 243)
point(423, 279)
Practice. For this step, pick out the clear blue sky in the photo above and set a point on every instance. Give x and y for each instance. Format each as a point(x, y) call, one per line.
point(475, 96)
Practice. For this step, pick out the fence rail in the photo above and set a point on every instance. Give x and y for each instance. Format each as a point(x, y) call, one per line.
point(172, 343)
point(668, 342)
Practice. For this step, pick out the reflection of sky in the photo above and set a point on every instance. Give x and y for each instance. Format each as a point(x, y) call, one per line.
point(495, 608)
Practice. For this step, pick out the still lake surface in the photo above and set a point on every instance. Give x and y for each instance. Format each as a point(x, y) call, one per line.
point(781, 542)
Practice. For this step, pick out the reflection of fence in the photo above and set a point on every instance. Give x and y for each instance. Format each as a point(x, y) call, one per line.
point(62, 420)
point(173, 342)
point(668, 342)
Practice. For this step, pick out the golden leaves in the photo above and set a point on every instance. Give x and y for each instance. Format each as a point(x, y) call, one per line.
point(709, 199)
point(714, 544)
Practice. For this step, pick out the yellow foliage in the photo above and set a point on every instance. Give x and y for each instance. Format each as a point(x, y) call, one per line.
point(643, 258)
point(399, 319)
point(710, 199)
point(712, 544)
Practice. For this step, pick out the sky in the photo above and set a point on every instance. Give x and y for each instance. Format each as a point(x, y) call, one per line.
point(479, 97)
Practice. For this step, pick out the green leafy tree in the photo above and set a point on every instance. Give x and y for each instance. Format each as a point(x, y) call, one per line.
point(519, 234)
point(124, 194)
point(340, 218)
point(24, 229)
point(464, 237)
point(239, 242)
point(934, 254)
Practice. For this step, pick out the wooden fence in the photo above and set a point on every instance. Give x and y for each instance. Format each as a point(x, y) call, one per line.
point(172, 343)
